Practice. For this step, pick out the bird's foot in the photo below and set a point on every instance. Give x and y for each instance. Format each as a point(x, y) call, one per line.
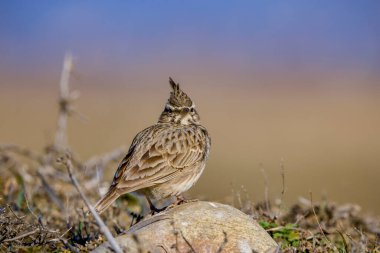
point(153, 209)
point(181, 200)
point(136, 218)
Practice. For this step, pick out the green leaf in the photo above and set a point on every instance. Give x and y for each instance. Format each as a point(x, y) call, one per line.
point(296, 243)
point(293, 236)
point(20, 198)
point(80, 227)
point(290, 226)
point(264, 224)
point(278, 235)
point(267, 225)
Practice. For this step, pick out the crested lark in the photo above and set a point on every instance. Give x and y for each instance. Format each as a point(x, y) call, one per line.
point(165, 159)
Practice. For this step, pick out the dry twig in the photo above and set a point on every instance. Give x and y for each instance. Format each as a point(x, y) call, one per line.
point(10, 209)
point(50, 191)
point(100, 163)
point(65, 98)
point(22, 151)
point(283, 187)
point(266, 191)
point(319, 224)
point(102, 160)
point(22, 235)
point(115, 246)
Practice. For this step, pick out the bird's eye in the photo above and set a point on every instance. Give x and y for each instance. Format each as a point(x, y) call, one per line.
point(167, 109)
point(192, 110)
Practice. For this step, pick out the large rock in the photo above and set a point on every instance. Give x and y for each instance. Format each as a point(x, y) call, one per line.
point(196, 227)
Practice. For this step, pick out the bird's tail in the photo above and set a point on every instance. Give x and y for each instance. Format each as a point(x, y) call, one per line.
point(106, 200)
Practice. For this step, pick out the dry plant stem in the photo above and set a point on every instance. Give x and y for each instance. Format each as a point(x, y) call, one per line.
point(103, 160)
point(344, 241)
point(283, 187)
point(68, 245)
point(266, 192)
point(115, 246)
point(22, 151)
point(22, 236)
point(319, 224)
point(10, 209)
point(99, 163)
point(60, 142)
point(283, 179)
point(278, 249)
point(51, 193)
point(27, 204)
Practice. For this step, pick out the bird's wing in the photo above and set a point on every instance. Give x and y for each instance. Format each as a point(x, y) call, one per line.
point(157, 155)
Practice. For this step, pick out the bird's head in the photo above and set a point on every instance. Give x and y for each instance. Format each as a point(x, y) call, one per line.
point(179, 109)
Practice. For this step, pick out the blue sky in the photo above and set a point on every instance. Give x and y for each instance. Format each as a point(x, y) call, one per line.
point(242, 36)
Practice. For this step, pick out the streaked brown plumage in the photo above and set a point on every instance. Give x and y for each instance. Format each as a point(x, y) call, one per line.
point(165, 159)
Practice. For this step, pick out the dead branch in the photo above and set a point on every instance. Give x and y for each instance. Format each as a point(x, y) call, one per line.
point(65, 98)
point(50, 191)
point(23, 151)
point(115, 246)
point(10, 209)
point(99, 163)
point(22, 236)
point(102, 160)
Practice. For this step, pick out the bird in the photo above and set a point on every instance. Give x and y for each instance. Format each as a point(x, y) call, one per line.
point(165, 159)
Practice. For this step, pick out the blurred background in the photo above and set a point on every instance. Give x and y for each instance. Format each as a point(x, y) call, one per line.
point(292, 84)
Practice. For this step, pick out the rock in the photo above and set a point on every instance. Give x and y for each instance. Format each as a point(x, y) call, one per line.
point(196, 227)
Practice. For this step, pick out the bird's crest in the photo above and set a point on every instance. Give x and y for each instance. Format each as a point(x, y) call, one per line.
point(178, 98)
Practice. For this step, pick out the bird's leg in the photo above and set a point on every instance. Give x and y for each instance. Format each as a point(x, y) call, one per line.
point(135, 218)
point(154, 209)
point(181, 200)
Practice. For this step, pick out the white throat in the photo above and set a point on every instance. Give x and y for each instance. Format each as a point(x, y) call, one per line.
point(186, 120)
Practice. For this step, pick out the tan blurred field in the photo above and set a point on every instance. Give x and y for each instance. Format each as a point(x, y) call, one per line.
point(328, 141)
